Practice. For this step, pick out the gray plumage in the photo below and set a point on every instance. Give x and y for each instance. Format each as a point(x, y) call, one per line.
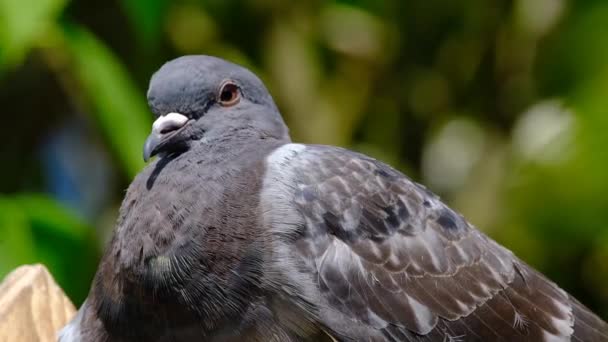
point(235, 234)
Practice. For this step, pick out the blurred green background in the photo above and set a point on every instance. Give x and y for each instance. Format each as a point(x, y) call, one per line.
point(501, 107)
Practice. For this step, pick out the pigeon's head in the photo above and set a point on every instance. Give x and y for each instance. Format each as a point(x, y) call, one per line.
point(204, 97)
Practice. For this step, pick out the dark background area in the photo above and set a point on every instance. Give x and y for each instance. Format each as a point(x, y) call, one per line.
point(501, 107)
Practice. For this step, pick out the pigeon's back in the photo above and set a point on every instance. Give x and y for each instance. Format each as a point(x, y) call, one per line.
point(384, 259)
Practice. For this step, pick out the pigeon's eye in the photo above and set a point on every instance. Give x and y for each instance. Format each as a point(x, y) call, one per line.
point(229, 94)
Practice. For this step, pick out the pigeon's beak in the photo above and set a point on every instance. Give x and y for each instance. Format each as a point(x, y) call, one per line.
point(163, 128)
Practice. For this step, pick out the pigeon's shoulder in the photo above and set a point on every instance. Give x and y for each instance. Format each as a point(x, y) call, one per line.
point(380, 256)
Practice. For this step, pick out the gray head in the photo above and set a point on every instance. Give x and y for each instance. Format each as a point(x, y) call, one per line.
point(196, 97)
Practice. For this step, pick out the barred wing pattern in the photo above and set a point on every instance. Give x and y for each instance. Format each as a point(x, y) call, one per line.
point(383, 259)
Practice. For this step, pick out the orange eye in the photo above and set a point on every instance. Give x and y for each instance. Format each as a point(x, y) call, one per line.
point(229, 94)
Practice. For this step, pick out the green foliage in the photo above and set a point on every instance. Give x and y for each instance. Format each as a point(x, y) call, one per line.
point(117, 104)
point(22, 24)
point(146, 16)
point(16, 242)
point(35, 228)
point(499, 106)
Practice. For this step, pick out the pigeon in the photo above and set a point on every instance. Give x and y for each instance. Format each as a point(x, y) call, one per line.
point(234, 233)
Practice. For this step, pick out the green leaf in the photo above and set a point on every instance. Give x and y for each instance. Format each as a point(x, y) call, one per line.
point(146, 17)
point(118, 105)
point(61, 241)
point(589, 95)
point(16, 242)
point(22, 23)
point(44, 211)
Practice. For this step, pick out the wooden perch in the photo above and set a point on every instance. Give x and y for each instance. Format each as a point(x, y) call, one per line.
point(32, 306)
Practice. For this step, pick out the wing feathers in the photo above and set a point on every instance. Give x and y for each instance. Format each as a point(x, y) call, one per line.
point(396, 262)
point(587, 326)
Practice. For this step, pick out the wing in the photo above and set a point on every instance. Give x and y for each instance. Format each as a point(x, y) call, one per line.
point(382, 258)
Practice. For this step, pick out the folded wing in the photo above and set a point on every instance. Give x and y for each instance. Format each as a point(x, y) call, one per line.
point(382, 258)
